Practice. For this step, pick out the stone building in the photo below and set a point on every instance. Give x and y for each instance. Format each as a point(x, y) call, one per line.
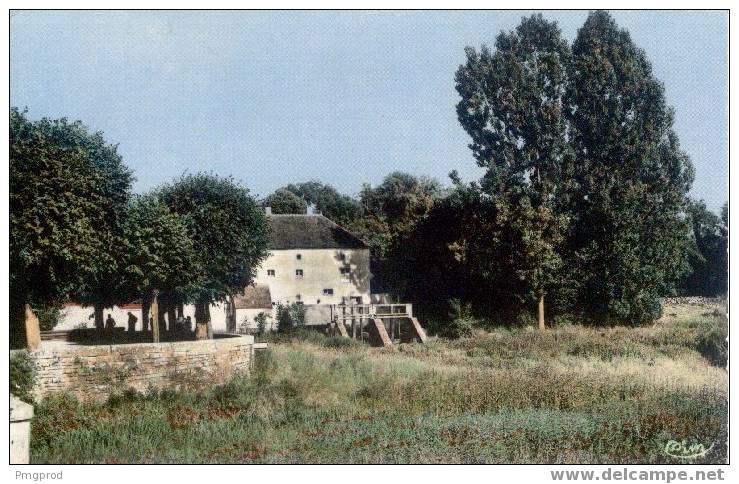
point(312, 260)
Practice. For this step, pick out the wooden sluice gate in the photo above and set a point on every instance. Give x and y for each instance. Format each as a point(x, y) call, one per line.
point(380, 324)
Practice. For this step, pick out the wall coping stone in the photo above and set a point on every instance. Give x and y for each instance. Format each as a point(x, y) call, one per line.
point(19, 410)
point(46, 350)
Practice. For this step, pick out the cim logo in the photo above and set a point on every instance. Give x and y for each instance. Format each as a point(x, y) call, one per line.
point(684, 450)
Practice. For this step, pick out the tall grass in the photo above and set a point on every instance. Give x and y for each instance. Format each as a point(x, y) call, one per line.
point(572, 395)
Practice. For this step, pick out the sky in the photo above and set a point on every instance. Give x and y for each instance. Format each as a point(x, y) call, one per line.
point(278, 97)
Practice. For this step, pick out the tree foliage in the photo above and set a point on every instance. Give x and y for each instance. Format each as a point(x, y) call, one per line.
point(513, 108)
point(228, 229)
point(58, 204)
point(284, 201)
point(159, 251)
point(584, 172)
point(401, 199)
point(709, 256)
point(342, 209)
point(102, 286)
point(439, 259)
point(630, 235)
point(391, 212)
point(67, 187)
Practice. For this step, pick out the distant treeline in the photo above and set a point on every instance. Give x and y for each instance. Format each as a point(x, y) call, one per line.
point(421, 233)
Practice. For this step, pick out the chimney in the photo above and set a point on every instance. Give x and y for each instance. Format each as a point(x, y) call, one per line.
point(268, 210)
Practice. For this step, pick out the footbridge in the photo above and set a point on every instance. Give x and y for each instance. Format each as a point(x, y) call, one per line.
point(379, 324)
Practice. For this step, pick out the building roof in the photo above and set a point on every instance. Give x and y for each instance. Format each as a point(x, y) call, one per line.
point(254, 297)
point(310, 232)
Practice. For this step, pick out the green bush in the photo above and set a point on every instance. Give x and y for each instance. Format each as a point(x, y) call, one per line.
point(261, 322)
point(461, 320)
point(22, 375)
point(48, 317)
point(290, 317)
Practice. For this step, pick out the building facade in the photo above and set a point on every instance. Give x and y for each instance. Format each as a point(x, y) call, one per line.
point(312, 260)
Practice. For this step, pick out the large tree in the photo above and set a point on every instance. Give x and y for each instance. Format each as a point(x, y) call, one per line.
point(102, 287)
point(58, 204)
point(632, 178)
point(513, 108)
point(229, 232)
point(440, 258)
point(391, 211)
point(283, 201)
point(159, 255)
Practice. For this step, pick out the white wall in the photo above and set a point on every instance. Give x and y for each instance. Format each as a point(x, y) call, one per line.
point(73, 316)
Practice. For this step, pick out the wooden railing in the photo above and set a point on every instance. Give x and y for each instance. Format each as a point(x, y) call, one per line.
point(347, 312)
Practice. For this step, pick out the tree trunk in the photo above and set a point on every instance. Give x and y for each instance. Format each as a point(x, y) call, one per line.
point(203, 328)
point(171, 318)
point(231, 315)
point(180, 310)
point(161, 315)
point(99, 322)
point(33, 332)
point(542, 326)
point(155, 318)
point(145, 306)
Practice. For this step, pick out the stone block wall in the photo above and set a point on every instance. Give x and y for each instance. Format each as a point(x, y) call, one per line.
point(96, 371)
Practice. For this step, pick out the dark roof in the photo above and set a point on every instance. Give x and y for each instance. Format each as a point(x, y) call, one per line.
point(310, 232)
point(255, 297)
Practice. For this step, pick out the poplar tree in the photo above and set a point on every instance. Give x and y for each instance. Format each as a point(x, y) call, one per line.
point(630, 237)
point(513, 108)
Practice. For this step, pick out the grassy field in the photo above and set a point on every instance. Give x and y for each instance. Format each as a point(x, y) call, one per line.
point(569, 395)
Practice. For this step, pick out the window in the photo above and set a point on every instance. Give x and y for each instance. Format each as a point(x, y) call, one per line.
point(318, 301)
point(297, 297)
point(345, 274)
point(298, 273)
point(298, 256)
point(342, 256)
point(357, 299)
point(271, 272)
point(328, 292)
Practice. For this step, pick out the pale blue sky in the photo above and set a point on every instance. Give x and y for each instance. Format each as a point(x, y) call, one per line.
point(342, 97)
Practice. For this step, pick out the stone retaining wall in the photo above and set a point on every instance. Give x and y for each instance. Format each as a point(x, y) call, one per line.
point(96, 371)
point(693, 300)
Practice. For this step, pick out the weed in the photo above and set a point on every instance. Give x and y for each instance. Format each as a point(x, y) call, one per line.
point(22, 375)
